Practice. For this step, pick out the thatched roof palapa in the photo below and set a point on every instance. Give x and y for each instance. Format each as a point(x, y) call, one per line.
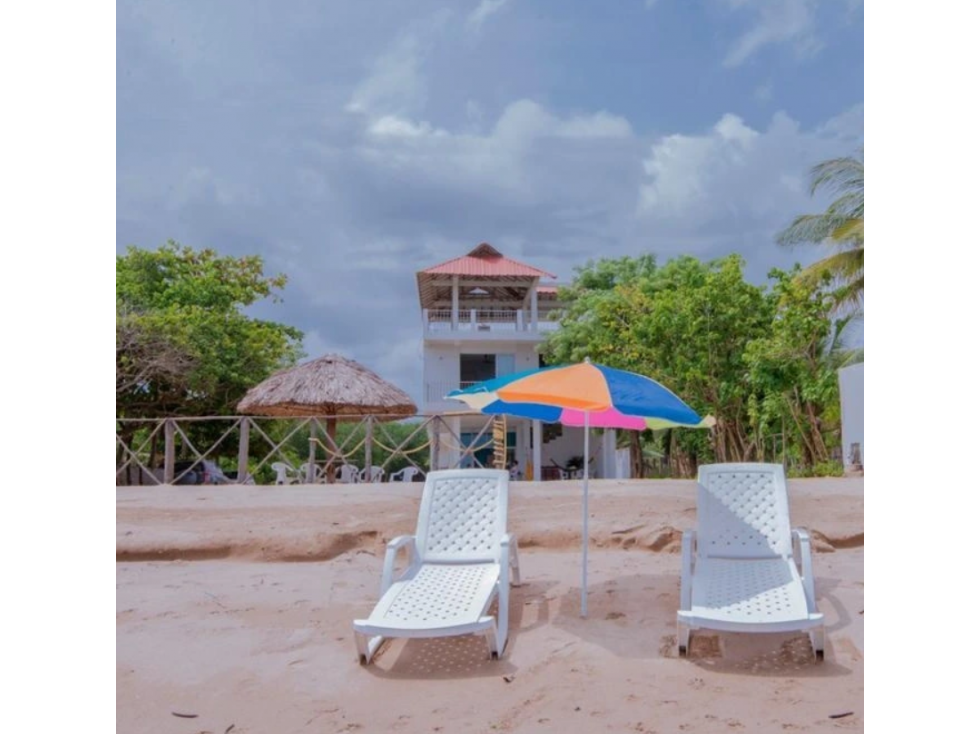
point(329, 386)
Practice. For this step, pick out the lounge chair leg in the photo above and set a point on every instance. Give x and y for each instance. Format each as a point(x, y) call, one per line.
point(492, 639)
point(367, 647)
point(816, 637)
point(682, 639)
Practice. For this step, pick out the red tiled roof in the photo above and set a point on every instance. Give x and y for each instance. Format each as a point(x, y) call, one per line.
point(486, 260)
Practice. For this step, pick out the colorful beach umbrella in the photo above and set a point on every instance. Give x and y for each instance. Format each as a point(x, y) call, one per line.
point(587, 395)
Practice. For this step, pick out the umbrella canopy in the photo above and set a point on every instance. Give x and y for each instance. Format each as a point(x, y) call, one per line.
point(587, 395)
point(329, 386)
point(612, 398)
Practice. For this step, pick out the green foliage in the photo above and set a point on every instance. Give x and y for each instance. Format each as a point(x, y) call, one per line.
point(755, 358)
point(685, 324)
point(793, 370)
point(822, 469)
point(350, 440)
point(188, 305)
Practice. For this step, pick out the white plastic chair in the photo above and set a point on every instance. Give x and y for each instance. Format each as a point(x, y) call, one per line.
point(371, 475)
point(745, 569)
point(303, 475)
point(347, 474)
point(284, 473)
point(407, 474)
point(459, 560)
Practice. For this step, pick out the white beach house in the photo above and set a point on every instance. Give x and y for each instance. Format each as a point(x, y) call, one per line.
point(483, 315)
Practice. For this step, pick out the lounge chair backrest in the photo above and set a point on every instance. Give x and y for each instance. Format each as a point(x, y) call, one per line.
point(742, 511)
point(463, 515)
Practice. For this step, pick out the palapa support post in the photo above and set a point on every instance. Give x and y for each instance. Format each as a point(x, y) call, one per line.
point(331, 442)
point(243, 438)
point(311, 462)
point(368, 445)
point(169, 453)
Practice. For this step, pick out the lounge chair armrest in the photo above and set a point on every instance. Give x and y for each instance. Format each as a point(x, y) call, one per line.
point(510, 559)
point(394, 545)
point(802, 555)
point(688, 549)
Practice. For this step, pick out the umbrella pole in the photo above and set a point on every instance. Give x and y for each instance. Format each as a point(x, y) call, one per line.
point(584, 537)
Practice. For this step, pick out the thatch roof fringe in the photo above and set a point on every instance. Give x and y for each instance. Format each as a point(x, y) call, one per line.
point(329, 386)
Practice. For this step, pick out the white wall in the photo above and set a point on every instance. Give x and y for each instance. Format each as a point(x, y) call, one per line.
point(441, 364)
point(851, 406)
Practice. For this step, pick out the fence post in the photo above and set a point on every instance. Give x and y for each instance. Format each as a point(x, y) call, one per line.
point(435, 440)
point(168, 450)
point(243, 451)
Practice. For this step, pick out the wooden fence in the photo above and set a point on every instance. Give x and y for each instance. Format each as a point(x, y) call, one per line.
point(255, 450)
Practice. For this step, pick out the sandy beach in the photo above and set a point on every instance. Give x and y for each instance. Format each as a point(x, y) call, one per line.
point(234, 610)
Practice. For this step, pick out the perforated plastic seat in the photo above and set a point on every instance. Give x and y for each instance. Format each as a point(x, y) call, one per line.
point(745, 569)
point(460, 560)
point(740, 594)
point(433, 601)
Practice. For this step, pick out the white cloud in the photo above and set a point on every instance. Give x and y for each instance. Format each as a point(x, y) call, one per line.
point(529, 154)
point(397, 127)
point(776, 21)
point(737, 182)
point(484, 10)
point(396, 84)
point(599, 125)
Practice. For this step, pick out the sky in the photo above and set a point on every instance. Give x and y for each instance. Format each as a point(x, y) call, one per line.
point(351, 144)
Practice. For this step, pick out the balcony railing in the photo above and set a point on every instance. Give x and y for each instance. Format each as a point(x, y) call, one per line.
point(474, 320)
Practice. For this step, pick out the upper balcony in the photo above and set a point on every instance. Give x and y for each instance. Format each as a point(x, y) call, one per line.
point(482, 324)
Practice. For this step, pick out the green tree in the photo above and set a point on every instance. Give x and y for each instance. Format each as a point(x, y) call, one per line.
point(685, 324)
point(700, 318)
point(793, 369)
point(184, 345)
point(839, 227)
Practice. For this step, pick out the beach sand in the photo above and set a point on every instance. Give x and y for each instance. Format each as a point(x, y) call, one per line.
point(234, 608)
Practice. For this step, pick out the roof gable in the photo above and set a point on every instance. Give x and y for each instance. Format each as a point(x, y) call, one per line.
point(486, 261)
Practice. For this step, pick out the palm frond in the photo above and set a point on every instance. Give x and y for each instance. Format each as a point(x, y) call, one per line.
point(849, 231)
point(845, 265)
point(850, 295)
point(808, 228)
point(840, 226)
point(839, 175)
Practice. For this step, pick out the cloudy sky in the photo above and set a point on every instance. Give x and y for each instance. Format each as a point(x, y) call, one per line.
point(354, 143)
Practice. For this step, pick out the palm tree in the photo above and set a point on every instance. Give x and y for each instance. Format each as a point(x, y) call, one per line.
point(839, 227)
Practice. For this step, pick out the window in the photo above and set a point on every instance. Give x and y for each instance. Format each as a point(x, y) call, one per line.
point(479, 367)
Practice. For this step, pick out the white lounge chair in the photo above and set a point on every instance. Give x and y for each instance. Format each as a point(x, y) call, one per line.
point(745, 569)
point(347, 474)
point(284, 473)
point(303, 475)
point(407, 474)
point(371, 475)
point(460, 560)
